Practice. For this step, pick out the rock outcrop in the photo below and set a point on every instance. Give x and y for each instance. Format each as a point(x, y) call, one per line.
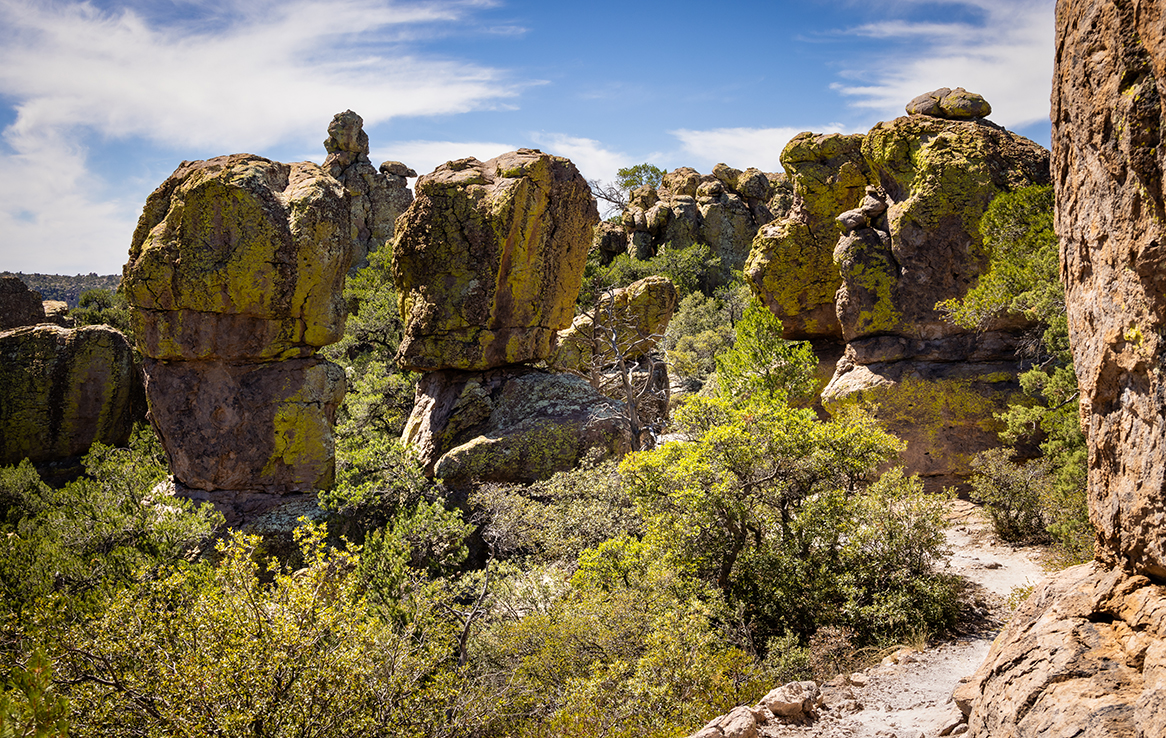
point(510, 424)
point(957, 104)
point(882, 227)
point(235, 279)
point(489, 258)
point(64, 389)
point(1086, 654)
point(723, 210)
point(19, 306)
point(376, 196)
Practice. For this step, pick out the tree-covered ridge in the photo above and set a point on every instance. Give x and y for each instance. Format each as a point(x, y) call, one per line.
point(67, 288)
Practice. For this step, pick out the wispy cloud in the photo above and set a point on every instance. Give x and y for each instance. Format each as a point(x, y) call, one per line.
point(593, 159)
point(741, 147)
point(1005, 54)
point(241, 76)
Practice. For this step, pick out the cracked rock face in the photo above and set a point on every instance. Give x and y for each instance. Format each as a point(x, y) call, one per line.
point(235, 278)
point(1086, 654)
point(489, 259)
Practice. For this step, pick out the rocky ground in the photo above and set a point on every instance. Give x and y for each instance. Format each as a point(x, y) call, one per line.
point(908, 694)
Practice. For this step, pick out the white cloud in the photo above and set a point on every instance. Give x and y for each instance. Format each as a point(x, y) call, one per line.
point(425, 156)
point(741, 147)
point(245, 76)
point(1007, 57)
point(591, 157)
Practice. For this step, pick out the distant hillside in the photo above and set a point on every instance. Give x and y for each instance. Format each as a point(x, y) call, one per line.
point(63, 287)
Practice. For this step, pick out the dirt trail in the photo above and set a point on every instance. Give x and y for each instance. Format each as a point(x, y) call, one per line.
point(908, 695)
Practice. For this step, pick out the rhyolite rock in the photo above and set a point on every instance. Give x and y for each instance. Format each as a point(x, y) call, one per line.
point(240, 258)
point(235, 280)
point(19, 306)
point(57, 313)
point(883, 226)
point(510, 425)
point(376, 196)
point(957, 104)
point(1085, 655)
point(489, 258)
point(723, 209)
point(628, 321)
point(791, 267)
point(64, 389)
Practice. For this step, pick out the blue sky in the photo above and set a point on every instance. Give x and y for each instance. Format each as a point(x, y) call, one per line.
point(100, 101)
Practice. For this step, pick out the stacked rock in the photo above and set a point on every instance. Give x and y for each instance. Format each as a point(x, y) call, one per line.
point(488, 261)
point(235, 280)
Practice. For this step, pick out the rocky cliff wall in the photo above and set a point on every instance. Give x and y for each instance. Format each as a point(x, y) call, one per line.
point(1086, 654)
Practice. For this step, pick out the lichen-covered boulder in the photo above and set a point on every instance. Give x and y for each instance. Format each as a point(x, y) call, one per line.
point(263, 426)
point(510, 425)
point(791, 267)
point(57, 313)
point(489, 259)
point(633, 318)
point(375, 196)
point(19, 306)
point(240, 258)
point(957, 104)
point(64, 389)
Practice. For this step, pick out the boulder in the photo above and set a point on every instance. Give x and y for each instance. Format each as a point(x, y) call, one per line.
point(957, 104)
point(633, 318)
point(57, 313)
point(19, 306)
point(792, 700)
point(240, 258)
point(489, 258)
point(64, 389)
point(1085, 655)
point(376, 196)
point(510, 425)
point(791, 267)
point(610, 240)
point(261, 426)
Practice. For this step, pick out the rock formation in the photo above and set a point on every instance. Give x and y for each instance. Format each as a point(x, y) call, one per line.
point(957, 104)
point(723, 210)
point(882, 227)
point(375, 196)
point(1086, 654)
point(64, 389)
point(489, 260)
point(19, 305)
point(235, 280)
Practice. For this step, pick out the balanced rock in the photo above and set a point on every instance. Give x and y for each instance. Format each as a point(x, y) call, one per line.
point(489, 258)
point(1086, 654)
point(19, 306)
point(957, 104)
point(235, 279)
point(376, 196)
point(65, 389)
point(510, 425)
point(625, 323)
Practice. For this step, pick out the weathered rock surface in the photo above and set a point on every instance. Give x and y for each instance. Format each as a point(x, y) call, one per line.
point(249, 426)
point(64, 389)
point(489, 259)
point(19, 306)
point(57, 313)
point(510, 425)
point(633, 318)
point(235, 279)
point(1086, 654)
point(376, 196)
point(240, 258)
point(723, 209)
